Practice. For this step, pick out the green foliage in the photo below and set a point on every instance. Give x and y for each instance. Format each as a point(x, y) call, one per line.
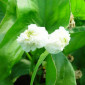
point(21, 68)
point(76, 40)
point(77, 8)
point(64, 71)
point(42, 57)
point(10, 51)
point(16, 15)
point(1, 14)
point(53, 13)
point(79, 56)
point(6, 82)
point(82, 80)
point(51, 71)
point(79, 63)
point(3, 5)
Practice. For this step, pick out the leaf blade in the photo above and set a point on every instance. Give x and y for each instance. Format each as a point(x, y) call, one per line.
point(42, 57)
point(64, 71)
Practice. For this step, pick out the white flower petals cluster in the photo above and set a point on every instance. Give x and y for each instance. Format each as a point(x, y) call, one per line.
point(34, 37)
point(37, 37)
point(57, 41)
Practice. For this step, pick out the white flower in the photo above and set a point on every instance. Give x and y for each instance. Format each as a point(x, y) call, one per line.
point(57, 40)
point(34, 37)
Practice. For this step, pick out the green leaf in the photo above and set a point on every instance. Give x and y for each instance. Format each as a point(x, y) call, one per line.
point(42, 57)
point(10, 51)
point(77, 40)
point(8, 20)
point(64, 71)
point(21, 68)
point(79, 22)
point(3, 5)
point(79, 58)
point(9, 55)
point(53, 13)
point(50, 71)
point(2, 9)
point(77, 29)
point(78, 8)
point(1, 14)
point(6, 55)
point(82, 80)
point(6, 82)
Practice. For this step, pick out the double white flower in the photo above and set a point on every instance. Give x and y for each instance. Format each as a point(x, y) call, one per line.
point(57, 40)
point(34, 37)
point(38, 37)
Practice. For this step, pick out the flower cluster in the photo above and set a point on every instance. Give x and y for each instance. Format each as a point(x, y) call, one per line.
point(37, 37)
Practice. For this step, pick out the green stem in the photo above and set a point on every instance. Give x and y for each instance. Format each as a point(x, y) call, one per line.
point(42, 57)
point(28, 55)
